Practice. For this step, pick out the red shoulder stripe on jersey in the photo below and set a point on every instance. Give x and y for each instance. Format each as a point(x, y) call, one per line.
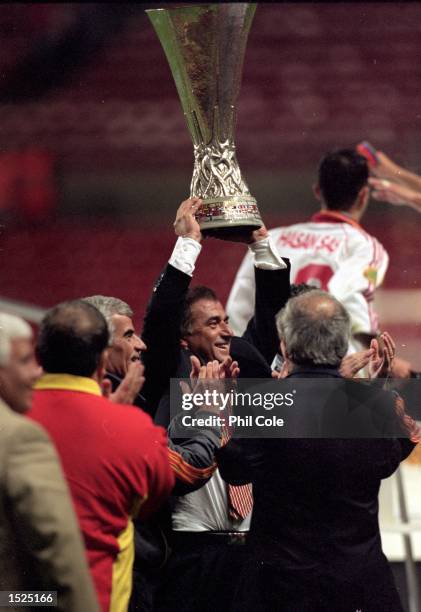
point(187, 472)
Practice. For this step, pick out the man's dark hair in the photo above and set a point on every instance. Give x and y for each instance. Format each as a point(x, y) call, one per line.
point(194, 295)
point(342, 174)
point(71, 339)
point(300, 289)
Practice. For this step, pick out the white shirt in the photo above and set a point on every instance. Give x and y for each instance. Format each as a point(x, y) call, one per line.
point(185, 253)
point(331, 252)
point(187, 250)
point(207, 509)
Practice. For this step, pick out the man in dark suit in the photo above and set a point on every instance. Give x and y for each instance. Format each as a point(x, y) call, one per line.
point(314, 537)
point(209, 526)
point(181, 322)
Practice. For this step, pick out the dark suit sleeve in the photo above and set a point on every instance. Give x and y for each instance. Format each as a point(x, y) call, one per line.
point(238, 459)
point(406, 447)
point(161, 332)
point(272, 293)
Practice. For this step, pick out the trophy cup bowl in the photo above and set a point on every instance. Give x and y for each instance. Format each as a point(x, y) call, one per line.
point(205, 47)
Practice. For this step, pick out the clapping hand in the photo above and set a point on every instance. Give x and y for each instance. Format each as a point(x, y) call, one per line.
point(129, 387)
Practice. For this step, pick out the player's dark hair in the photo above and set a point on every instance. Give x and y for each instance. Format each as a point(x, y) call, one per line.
point(342, 175)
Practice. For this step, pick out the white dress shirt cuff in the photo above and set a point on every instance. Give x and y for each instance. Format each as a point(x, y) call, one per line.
point(185, 253)
point(265, 255)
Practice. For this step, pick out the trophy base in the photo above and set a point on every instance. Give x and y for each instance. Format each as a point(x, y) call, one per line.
point(232, 233)
point(229, 216)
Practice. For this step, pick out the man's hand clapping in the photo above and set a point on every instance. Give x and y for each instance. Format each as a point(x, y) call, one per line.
point(129, 387)
point(213, 376)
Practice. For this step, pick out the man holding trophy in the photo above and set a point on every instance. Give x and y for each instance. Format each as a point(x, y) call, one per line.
point(205, 48)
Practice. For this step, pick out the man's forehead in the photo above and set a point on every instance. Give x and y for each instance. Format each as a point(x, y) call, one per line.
point(205, 309)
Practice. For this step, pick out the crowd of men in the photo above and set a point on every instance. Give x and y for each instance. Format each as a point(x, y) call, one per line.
point(109, 503)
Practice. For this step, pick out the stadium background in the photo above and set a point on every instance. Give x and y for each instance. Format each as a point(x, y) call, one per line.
point(95, 155)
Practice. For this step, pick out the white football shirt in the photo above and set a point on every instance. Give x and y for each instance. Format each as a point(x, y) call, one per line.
point(331, 252)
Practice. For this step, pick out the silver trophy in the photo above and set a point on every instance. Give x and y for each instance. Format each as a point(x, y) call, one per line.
point(205, 48)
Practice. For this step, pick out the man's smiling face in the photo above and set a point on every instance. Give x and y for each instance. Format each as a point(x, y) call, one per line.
point(126, 345)
point(210, 335)
point(19, 375)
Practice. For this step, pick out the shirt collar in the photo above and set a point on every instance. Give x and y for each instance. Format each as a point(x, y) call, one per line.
point(335, 216)
point(68, 382)
point(319, 370)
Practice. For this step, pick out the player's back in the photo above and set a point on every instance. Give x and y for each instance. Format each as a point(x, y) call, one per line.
point(317, 249)
point(331, 252)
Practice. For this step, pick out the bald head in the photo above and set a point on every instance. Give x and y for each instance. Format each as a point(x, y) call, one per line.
point(315, 329)
point(72, 338)
point(318, 305)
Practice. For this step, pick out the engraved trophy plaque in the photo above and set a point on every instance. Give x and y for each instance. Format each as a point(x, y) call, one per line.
point(205, 47)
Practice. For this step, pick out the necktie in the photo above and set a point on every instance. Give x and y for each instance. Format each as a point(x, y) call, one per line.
point(240, 501)
point(240, 497)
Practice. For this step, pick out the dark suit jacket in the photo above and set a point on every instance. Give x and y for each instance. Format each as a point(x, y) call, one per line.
point(165, 358)
point(316, 500)
point(161, 332)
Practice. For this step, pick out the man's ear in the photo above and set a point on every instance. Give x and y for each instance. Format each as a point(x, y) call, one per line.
point(283, 350)
point(101, 367)
point(362, 197)
point(316, 191)
point(105, 356)
point(183, 343)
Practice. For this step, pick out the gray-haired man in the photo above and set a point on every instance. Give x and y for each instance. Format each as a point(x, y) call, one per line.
point(40, 544)
point(123, 365)
point(321, 548)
